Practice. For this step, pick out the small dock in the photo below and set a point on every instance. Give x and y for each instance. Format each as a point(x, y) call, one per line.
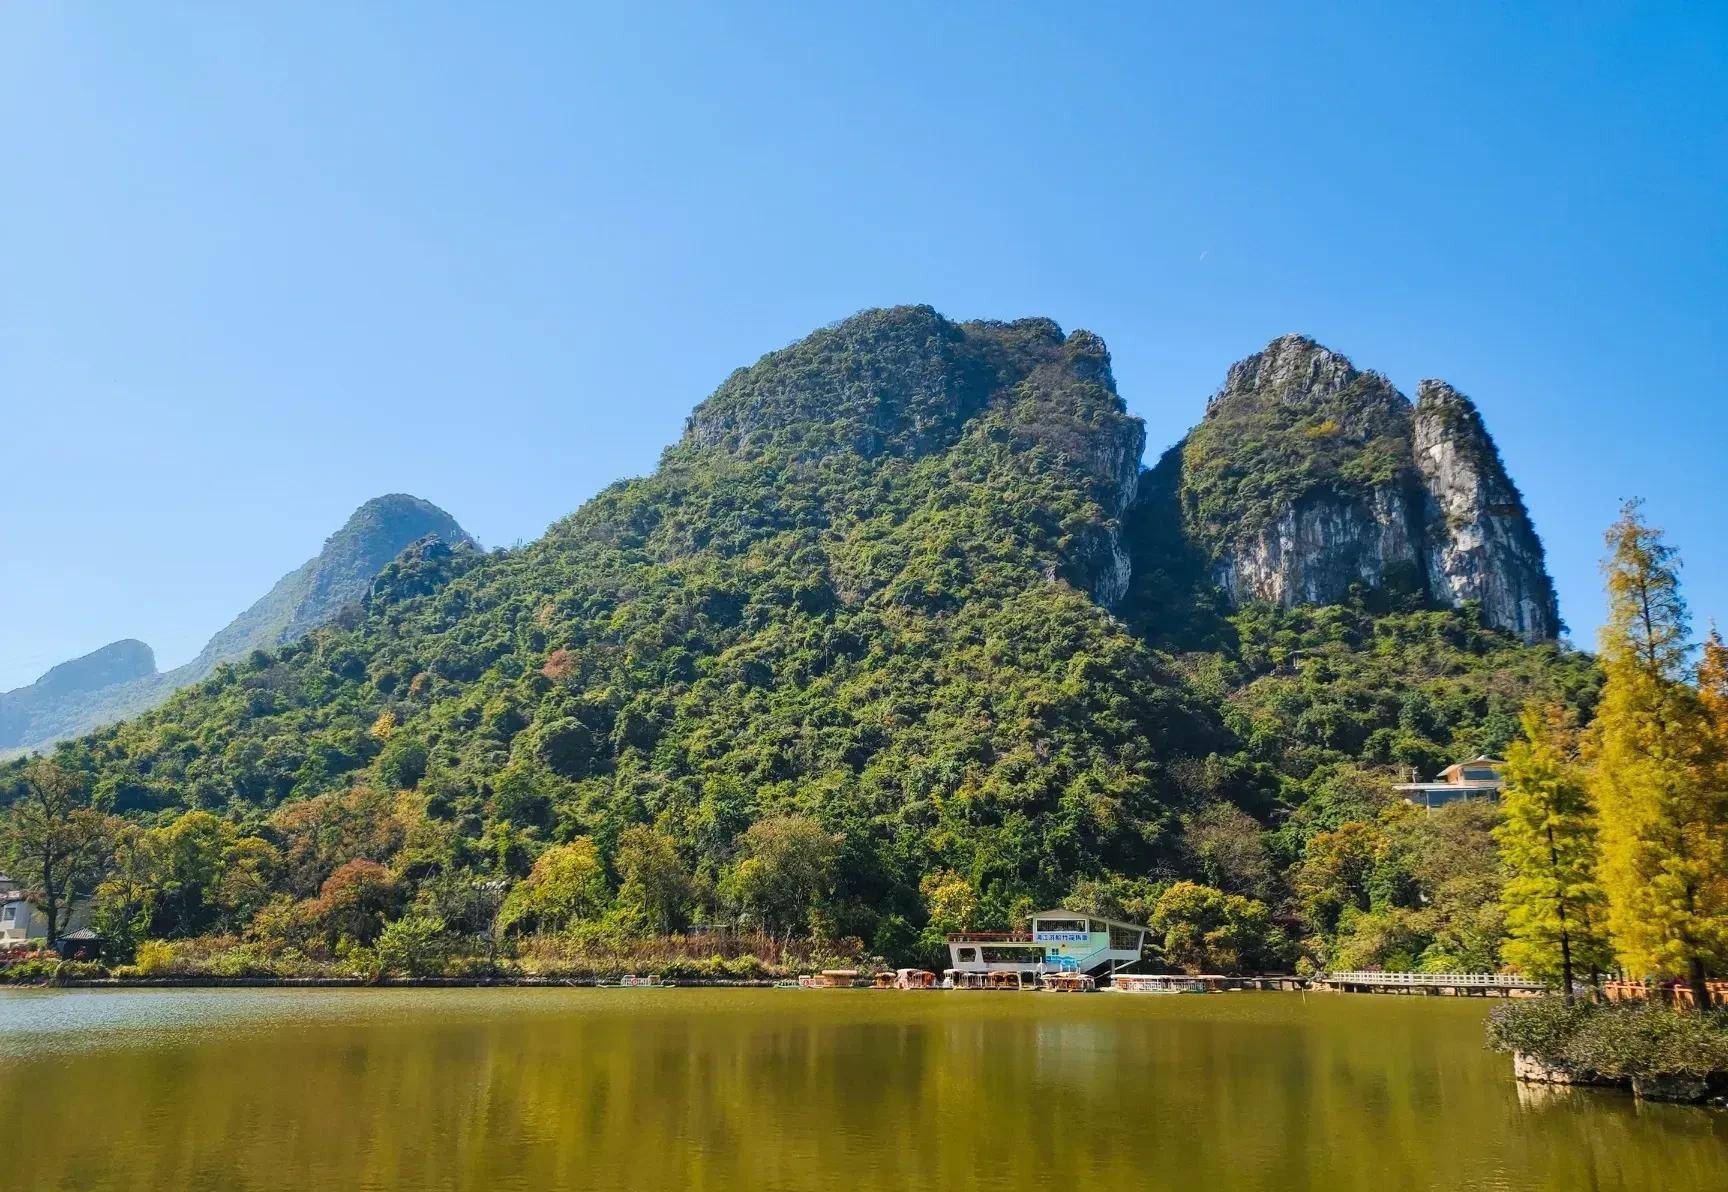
point(1432, 984)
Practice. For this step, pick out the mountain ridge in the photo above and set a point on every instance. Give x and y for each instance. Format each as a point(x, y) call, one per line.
point(121, 679)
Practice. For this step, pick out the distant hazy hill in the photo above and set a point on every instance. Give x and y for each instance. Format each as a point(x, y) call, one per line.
point(120, 679)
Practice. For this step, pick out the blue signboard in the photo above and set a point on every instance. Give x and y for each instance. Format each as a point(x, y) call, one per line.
point(1060, 937)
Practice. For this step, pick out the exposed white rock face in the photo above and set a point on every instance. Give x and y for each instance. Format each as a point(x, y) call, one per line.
point(1339, 481)
point(1293, 367)
point(1318, 543)
point(1112, 454)
point(1120, 460)
point(1321, 545)
point(1480, 544)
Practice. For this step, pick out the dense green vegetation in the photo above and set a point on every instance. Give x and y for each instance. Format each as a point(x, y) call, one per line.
point(834, 671)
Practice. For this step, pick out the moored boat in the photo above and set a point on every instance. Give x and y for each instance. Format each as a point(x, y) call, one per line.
point(1068, 983)
point(1164, 983)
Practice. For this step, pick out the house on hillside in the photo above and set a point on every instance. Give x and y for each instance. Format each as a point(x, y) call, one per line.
point(20, 920)
point(1478, 778)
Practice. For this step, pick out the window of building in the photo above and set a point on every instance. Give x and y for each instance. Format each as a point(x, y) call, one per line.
point(10, 915)
point(967, 955)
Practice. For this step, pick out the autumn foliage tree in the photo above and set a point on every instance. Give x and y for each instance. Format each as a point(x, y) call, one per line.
point(1659, 772)
point(1713, 684)
point(1556, 913)
point(353, 902)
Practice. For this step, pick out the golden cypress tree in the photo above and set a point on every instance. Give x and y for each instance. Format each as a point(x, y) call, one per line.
point(1713, 683)
point(1556, 913)
point(1657, 778)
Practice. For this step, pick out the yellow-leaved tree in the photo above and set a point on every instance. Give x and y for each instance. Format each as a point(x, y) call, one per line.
point(1713, 684)
point(1658, 777)
point(1556, 912)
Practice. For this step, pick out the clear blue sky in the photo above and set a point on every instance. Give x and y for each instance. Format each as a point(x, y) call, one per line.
point(261, 262)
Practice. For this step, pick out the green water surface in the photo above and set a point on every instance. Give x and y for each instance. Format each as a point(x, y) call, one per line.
point(787, 1089)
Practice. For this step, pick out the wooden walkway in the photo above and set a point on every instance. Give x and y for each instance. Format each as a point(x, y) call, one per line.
point(1439, 984)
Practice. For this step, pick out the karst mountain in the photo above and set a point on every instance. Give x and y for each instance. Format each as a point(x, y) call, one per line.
point(910, 577)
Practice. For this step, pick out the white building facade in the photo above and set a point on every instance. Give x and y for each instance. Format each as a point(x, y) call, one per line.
point(20, 920)
point(1060, 941)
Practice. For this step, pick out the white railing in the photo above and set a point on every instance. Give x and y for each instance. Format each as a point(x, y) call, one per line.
point(1473, 980)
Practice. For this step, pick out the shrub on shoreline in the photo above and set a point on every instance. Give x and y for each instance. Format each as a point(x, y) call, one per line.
point(49, 970)
point(1614, 1042)
point(415, 946)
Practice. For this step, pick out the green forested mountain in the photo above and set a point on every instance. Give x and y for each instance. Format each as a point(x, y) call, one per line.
point(121, 679)
point(885, 645)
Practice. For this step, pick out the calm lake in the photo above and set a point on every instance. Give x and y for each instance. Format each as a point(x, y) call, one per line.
point(751, 1089)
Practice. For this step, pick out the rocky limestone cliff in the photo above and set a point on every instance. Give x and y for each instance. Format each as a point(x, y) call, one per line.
point(1480, 544)
point(1111, 452)
point(1309, 477)
point(1322, 544)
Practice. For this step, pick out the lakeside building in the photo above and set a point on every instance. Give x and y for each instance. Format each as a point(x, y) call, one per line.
point(1060, 941)
point(21, 920)
point(1478, 778)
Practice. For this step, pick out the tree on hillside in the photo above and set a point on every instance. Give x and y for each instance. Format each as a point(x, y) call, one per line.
point(1229, 850)
point(1659, 770)
point(54, 843)
point(1556, 913)
point(191, 875)
point(789, 862)
point(654, 884)
point(353, 903)
point(1337, 873)
point(1201, 929)
point(566, 885)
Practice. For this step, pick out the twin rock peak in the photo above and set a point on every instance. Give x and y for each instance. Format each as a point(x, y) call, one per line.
point(1306, 480)
point(1308, 477)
